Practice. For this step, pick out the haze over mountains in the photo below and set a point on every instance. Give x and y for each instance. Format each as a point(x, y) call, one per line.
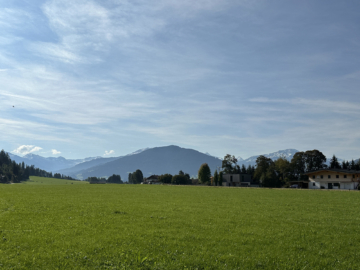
point(50, 164)
point(159, 160)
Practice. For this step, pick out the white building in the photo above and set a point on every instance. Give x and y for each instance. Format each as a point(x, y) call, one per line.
point(333, 179)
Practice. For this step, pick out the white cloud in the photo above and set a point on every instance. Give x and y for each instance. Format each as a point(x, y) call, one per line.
point(108, 153)
point(55, 152)
point(26, 149)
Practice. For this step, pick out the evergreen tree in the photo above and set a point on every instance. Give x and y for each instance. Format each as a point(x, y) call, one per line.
point(114, 179)
point(334, 163)
point(352, 165)
point(137, 177)
point(216, 178)
point(243, 169)
point(344, 165)
point(204, 174)
point(220, 178)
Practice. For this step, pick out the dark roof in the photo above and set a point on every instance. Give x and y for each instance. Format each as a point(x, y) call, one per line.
point(334, 170)
point(152, 177)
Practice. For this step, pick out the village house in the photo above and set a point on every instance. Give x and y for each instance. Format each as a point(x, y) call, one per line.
point(333, 179)
point(152, 180)
point(236, 180)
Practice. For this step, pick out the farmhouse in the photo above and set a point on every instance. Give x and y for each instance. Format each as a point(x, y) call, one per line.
point(236, 180)
point(153, 179)
point(333, 179)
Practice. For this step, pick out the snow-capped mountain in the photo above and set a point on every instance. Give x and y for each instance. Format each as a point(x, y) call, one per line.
point(138, 151)
point(288, 154)
point(207, 153)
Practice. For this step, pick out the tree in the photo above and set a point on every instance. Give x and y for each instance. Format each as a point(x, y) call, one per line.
point(357, 165)
point(220, 178)
point(345, 165)
point(130, 178)
point(314, 160)
point(137, 177)
point(216, 178)
point(334, 163)
point(229, 164)
point(298, 165)
point(243, 169)
point(262, 164)
point(165, 178)
point(179, 180)
point(204, 173)
point(352, 165)
point(283, 169)
point(181, 172)
point(114, 179)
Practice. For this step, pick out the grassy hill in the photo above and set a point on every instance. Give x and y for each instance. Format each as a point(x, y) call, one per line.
point(80, 226)
point(34, 180)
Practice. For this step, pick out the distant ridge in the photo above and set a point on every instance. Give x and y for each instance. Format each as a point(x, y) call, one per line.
point(159, 160)
point(50, 164)
point(288, 153)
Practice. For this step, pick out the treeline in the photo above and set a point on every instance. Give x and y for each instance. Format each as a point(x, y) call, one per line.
point(178, 179)
point(135, 177)
point(12, 172)
point(280, 172)
point(115, 179)
point(61, 176)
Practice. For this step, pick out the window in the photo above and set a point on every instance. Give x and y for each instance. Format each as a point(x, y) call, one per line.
point(336, 184)
point(313, 184)
point(314, 176)
point(329, 176)
point(337, 176)
point(345, 176)
point(321, 176)
point(230, 178)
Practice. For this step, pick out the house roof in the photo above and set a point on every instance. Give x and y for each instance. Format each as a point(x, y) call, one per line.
point(333, 170)
point(152, 177)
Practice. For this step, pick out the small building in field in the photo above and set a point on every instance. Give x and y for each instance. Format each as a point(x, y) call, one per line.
point(152, 180)
point(333, 179)
point(236, 180)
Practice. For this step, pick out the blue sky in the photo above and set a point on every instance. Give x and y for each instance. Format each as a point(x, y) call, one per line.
point(105, 78)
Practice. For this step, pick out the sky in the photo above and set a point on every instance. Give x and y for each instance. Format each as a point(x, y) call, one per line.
point(83, 78)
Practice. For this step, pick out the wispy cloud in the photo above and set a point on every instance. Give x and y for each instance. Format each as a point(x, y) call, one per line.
point(241, 76)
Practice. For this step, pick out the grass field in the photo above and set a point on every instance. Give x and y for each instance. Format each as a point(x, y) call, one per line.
point(51, 181)
point(80, 226)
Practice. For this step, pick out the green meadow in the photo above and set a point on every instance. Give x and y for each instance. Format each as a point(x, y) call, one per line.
point(62, 224)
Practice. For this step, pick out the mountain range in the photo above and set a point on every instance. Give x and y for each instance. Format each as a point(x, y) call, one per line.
point(50, 164)
point(288, 154)
point(159, 160)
